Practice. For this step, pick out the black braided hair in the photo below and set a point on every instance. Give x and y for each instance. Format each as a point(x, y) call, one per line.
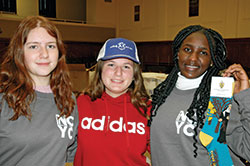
point(200, 101)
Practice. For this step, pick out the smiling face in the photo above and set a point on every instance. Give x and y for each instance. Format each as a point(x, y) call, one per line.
point(194, 55)
point(40, 55)
point(117, 75)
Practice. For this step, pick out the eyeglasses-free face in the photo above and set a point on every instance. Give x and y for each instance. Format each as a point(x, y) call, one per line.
point(194, 55)
point(117, 75)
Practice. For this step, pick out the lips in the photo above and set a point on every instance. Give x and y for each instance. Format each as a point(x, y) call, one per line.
point(117, 81)
point(192, 66)
point(43, 63)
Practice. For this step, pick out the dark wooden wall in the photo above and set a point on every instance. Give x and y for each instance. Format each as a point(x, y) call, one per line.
point(82, 52)
point(239, 51)
point(158, 57)
point(155, 56)
point(3, 47)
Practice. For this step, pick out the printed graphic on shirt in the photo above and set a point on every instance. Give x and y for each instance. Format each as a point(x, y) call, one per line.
point(184, 124)
point(65, 125)
point(115, 125)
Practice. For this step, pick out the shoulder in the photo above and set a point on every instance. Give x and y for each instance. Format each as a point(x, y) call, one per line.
point(83, 97)
point(84, 100)
point(243, 95)
point(148, 103)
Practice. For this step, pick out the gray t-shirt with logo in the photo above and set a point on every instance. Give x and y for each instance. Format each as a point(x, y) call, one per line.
point(172, 134)
point(45, 140)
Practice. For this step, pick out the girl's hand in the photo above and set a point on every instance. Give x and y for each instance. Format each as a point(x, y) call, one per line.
point(240, 75)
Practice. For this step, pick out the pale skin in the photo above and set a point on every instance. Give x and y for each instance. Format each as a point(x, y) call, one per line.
point(40, 55)
point(240, 75)
point(117, 75)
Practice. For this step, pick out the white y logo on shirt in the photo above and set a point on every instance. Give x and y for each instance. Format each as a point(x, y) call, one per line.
point(183, 120)
point(65, 123)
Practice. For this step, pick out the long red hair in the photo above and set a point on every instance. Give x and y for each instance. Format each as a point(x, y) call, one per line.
point(15, 82)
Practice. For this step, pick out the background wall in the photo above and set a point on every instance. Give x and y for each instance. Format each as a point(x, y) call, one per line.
point(102, 13)
point(65, 9)
point(27, 7)
point(162, 19)
point(70, 31)
point(71, 9)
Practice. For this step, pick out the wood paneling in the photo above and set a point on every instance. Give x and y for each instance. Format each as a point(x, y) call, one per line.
point(239, 51)
point(154, 56)
point(82, 52)
point(158, 57)
point(3, 47)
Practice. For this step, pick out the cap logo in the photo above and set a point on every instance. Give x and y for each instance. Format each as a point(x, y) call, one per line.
point(121, 46)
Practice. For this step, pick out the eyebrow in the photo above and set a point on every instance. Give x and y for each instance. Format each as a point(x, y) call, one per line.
point(190, 45)
point(34, 42)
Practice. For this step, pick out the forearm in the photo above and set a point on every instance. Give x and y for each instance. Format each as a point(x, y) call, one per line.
point(238, 129)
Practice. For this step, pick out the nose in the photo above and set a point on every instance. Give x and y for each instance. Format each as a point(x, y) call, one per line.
point(44, 52)
point(193, 56)
point(118, 70)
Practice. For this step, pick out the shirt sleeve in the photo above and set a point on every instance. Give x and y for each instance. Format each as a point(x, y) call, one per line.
point(72, 148)
point(238, 129)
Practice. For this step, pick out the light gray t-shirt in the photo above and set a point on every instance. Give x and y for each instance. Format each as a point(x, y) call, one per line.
point(45, 140)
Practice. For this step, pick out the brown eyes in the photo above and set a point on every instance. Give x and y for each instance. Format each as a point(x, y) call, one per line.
point(188, 50)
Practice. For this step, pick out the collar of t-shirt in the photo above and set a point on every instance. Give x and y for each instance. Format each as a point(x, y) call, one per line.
point(43, 89)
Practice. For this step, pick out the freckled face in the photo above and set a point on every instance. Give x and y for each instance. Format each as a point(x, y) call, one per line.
point(194, 55)
point(117, 75)
point(40, 55)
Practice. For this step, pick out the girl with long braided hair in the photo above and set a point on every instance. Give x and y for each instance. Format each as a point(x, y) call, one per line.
point(179, 103)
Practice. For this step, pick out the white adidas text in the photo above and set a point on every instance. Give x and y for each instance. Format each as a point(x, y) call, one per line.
point(115, 125)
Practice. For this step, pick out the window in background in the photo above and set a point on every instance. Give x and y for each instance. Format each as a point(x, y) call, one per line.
point(47, 8)
point(193, 8)
point(8, 6)
point(137, 13)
